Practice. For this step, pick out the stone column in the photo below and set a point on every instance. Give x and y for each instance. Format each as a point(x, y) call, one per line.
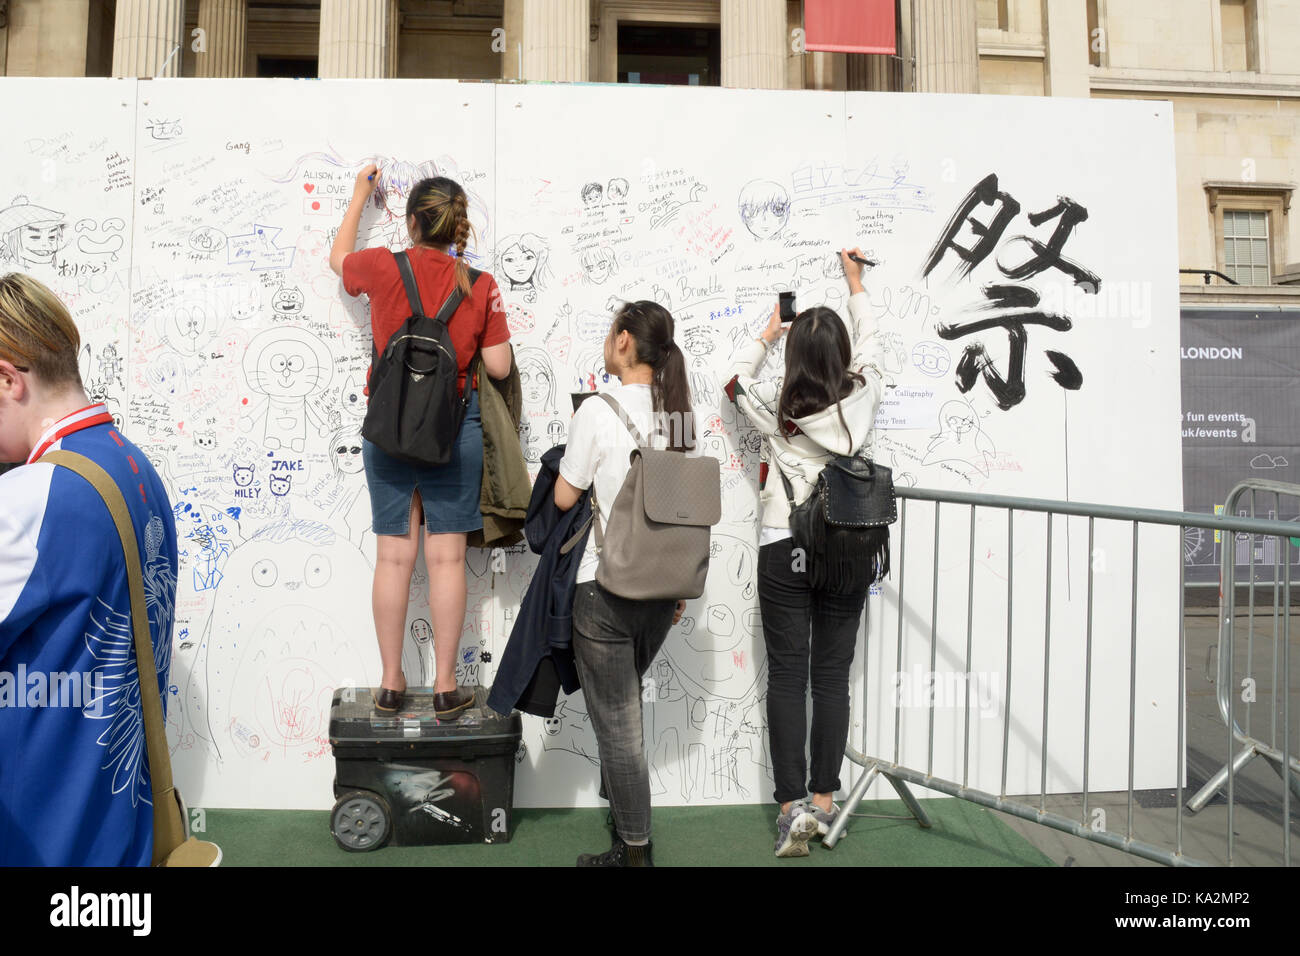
point(872, 71)
point(947, 52)
point(4, 35)
point(223, 23)
point(1065, 24)
point(146, 35)
point(551, 39)
point(357, 38)
point(824, 71)
point(754, 44)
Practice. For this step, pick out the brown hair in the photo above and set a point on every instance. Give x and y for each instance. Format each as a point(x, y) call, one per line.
point(817, 374)
point(37, 332)
point(441, 211)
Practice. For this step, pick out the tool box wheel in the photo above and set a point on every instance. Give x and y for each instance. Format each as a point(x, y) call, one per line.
point(361, 821)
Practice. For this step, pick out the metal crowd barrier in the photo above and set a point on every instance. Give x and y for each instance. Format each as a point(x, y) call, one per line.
point(1226, 684)
point(903, 771)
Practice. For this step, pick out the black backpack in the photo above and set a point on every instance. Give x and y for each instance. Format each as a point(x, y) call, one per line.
point(843, 526)
point(415, 412)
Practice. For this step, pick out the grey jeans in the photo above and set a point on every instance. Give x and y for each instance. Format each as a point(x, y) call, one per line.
point(614, 641)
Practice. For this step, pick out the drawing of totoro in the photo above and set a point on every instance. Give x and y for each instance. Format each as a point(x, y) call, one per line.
point(285, 631)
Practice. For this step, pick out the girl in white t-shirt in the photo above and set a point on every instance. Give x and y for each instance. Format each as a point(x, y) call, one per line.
point(614, 638)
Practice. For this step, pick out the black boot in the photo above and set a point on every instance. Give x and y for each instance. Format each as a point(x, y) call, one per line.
point(620, 854)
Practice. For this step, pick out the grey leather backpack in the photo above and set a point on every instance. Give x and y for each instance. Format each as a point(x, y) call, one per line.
point(657, 542)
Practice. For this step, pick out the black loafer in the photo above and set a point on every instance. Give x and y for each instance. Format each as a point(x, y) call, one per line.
point(452, 702)
point(388, 700)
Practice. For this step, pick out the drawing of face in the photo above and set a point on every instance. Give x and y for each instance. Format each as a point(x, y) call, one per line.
point(421, 632)
point(166, 376)
point(555, 431)
point(280, 485)
point(38, 242)
point(699, 341)
point(30, 234)
point(243, 475)
point(957, 419)
point(287, 301)
point(189, 328)
point(764, 208)
point(598, 264)
point(591, 194)
point(345, 452)
point(536, 381)
point(518, 264)
point(617, 190)
point(205, 441)
point(286, 362)
point(353, 397)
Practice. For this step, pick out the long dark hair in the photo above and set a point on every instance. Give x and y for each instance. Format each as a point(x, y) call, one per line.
point(441, 211)
point(817, 375)
point(651, 327)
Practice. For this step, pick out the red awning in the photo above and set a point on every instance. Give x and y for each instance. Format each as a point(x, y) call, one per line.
point(849, 26)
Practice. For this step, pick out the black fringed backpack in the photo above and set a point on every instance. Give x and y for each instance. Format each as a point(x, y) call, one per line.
point(843, 526)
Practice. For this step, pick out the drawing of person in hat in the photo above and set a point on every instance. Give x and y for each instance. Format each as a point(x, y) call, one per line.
point(30, 235)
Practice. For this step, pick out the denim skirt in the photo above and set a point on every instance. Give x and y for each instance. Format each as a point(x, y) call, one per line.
point(449, 493)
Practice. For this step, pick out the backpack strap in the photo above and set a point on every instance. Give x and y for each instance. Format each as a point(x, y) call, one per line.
point(169, 827)
point(789, 488)
point(612, 402)
point(408, 280)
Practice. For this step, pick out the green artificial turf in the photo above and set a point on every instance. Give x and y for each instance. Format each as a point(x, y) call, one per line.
point(962, 835)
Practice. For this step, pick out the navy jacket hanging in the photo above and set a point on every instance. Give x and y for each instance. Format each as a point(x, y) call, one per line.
point(538, 659)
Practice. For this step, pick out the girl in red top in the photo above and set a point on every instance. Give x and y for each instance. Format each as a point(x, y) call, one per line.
point(447, 495)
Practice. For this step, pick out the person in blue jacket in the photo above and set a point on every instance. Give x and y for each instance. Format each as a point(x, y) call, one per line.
point(74, 771)
point(538, 659)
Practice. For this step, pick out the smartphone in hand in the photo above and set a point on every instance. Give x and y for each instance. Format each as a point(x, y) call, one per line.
point(787, 307)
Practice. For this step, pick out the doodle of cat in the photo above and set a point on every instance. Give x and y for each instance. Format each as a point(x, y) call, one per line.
point(353, 396)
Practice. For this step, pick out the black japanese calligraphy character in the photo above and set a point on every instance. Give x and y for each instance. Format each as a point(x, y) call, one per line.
point(985, 193)
point(1016, 307)
point(1049, 256)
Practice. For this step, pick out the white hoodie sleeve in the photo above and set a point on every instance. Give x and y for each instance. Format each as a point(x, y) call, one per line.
point(757, 398)
point(864, 336)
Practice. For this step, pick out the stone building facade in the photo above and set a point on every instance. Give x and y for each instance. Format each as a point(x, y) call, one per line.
point(1231, 69)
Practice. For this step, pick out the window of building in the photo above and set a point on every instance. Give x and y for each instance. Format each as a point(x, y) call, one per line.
point(678, 55)
point(1096, 35)
point(1237, 32)
point(1245, 246)
point(993, 14)
point(290, 66)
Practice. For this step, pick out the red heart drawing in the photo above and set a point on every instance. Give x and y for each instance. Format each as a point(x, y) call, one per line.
point(180, 426)
point(559, 347)
point(309, 186)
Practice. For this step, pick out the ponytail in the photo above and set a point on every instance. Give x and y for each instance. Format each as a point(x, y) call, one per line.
point(651, 328)
point(441, 211)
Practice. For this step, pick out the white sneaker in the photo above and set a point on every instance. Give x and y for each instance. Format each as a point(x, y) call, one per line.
point(794, 829)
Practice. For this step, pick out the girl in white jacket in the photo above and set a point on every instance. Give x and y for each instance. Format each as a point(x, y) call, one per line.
point(825, 404)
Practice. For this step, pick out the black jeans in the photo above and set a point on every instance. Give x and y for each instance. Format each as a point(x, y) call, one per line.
point(792, 613)
point(614, 642)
